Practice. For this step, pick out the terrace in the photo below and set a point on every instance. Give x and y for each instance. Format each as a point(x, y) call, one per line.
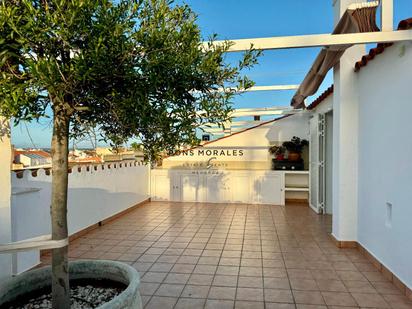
point(220, 227)
point(198, 255)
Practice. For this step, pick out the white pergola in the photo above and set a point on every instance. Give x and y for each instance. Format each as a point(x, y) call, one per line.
point(386, 35)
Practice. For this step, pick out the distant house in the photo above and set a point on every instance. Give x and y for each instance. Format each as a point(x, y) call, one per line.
point(122, 154)
point(29, 158)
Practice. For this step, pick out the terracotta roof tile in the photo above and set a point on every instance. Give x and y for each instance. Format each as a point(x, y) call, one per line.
point(320, 98)
point(36, 152)
point(380, 48)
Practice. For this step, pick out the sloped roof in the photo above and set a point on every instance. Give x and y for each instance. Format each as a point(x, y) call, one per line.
point(320, 98)
point(236, 133)
point(380, 48)
point(39, 153)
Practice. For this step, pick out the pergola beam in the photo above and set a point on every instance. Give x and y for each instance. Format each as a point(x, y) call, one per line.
point(266, 111)
point(318, 40)
point(257, 88)
point(264, 88)
point(235, 124)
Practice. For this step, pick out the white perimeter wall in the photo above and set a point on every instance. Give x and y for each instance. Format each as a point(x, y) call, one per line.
point(385, 162)
point(93, 196)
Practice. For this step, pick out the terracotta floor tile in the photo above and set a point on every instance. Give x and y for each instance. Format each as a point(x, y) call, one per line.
point(325, 274)
point(250, 271)
point(250, 294)
point(168, 259)
point(161, 267)
point(397, 300)
point(308, 297)
point(198, 279)
point(219, 304)
point(304, 284)
point(338, 299)
point(172, 290)
point(219, 292)
point(183, 268)
point(302, 306)
point(241, 304)
point(154, 277)
point(190, 303)
point(205, 269)
point(208, 260)
point(161, 302)
point(222, 256)
point(177, 278)
point(187, 259)
point(276, 283)
point(227, 270)
point(231, 253)
point(222, 280)
point(370, 300)
point(374, 276)
point(279, 306)
point(147, 288)
point(275, 272)
point(359, 287)
point(385, 288)
point(331, 285)
point(351, 275)
point(250, 282)
point(278, 296)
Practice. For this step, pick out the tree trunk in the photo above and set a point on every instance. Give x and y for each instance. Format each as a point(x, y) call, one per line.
point(59, 153)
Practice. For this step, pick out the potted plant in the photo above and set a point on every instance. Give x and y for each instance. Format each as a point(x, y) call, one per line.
point(295, 147)
point(278, 151)
point(126, 68)
point(103, 284)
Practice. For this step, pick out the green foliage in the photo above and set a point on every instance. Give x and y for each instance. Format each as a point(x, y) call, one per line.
point(131, 69)
point(296, 144)
point(136, 146)
point(277, 150)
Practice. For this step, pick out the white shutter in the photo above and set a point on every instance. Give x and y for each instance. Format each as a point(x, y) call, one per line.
point(317, 162)
point(314, 159)
point(321, 163)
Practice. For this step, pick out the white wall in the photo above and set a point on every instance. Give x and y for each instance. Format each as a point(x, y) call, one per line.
point(5, 191)
point(254, 143)
point(385, 161)
point(93, 196)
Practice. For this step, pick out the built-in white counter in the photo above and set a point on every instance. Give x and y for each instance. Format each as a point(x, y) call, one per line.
point(221, 186)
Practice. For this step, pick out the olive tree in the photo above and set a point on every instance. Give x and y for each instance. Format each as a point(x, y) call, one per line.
point(129, 69)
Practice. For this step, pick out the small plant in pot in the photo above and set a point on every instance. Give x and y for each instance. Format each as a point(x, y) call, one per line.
point(295, 147)
point(278, 151)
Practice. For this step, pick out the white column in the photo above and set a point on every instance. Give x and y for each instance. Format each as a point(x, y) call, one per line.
point(5, 198)
point(387, 15)
point(345, 139)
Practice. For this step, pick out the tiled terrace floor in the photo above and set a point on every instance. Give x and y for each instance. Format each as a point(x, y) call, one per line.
point(238, 256)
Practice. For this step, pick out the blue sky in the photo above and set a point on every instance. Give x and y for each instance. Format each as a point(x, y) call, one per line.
point(236, 19)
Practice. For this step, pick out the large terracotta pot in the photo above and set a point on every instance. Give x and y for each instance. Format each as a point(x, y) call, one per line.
point(294, 156)
point(37, 279)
